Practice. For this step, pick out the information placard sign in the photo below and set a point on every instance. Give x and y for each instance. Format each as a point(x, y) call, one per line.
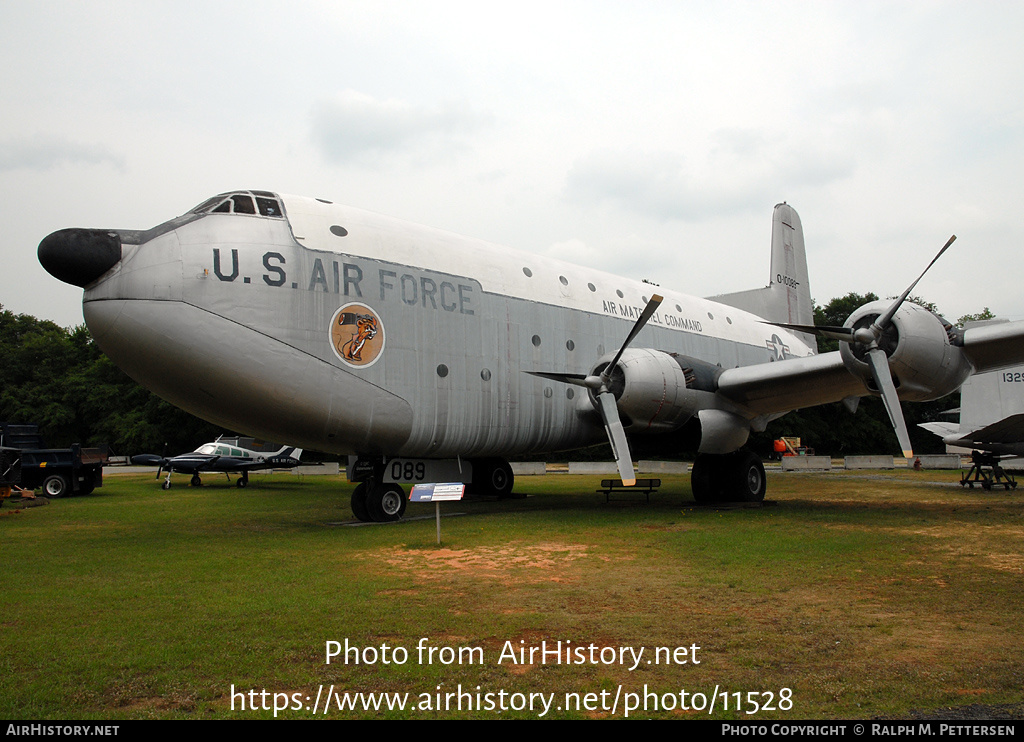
point(437, 492)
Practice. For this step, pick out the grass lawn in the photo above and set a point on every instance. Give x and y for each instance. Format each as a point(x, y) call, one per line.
point(861, 595)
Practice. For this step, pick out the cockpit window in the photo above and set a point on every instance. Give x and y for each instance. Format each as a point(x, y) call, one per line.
point(242, 203)
point(207, 204)
point(268, 206)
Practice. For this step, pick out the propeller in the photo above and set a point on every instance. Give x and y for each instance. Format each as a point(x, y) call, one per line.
point(600, 384)
point(868, 338)
point(163, 460)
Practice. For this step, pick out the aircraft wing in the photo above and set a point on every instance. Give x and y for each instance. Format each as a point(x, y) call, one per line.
point(768, 388)
point(149, 459)
point(793, 383)
point(994, 346)
point(191, 463)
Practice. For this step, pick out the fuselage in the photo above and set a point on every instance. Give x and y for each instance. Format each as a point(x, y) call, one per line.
point(345, 331)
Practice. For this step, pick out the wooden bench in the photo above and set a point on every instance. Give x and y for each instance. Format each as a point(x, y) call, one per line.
point(647, 486)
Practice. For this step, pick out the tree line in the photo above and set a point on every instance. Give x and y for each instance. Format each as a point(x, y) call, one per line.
point(59, 379)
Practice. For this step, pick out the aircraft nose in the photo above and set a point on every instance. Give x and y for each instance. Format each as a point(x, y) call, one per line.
point(79, 256)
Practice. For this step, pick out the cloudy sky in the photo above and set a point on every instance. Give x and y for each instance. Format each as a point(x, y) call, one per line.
point(648, 139)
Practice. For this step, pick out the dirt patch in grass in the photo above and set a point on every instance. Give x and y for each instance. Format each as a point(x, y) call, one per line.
point(981, 546)
point(530, 562)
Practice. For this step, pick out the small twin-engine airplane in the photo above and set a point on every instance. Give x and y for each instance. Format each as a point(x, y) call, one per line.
point(426, 356)
point(228, 455)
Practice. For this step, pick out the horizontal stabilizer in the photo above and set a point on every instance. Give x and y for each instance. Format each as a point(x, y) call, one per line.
point(942, 429)
point(1008, 430)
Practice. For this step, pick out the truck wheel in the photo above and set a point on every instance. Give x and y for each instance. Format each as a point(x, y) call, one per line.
point(56, 486)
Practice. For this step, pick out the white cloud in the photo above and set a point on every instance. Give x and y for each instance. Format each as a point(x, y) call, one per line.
point(741, 170)
point(657, 135)
point(353, 125)
point(45, 153)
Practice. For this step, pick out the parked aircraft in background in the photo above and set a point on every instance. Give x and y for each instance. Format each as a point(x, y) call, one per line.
point(991, 414)
point(229, 455)
point(433, 357)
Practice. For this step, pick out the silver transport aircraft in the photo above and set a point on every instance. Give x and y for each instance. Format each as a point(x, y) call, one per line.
point(426, 356)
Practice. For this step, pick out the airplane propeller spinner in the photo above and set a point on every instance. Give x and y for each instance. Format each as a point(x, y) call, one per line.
point(600, 385)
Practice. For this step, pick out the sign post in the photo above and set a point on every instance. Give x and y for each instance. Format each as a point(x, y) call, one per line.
point(437, 493)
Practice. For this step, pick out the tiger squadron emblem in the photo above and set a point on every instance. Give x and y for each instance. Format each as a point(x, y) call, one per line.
point(357, 335)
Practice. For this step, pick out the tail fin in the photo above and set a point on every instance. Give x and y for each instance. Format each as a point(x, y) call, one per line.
point(989, 397)
point(787, 297)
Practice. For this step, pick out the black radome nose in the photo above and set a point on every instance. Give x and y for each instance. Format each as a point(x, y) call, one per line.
point(79, 256)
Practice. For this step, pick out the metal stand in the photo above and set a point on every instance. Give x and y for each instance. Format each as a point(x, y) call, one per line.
point(987, 477)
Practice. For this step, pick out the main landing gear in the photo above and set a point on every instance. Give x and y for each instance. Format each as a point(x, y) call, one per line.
point(492, 477)
point(197, 481)
point(731, 477)
point(376, 500)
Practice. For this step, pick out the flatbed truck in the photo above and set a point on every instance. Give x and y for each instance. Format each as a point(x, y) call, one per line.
point(60, 472)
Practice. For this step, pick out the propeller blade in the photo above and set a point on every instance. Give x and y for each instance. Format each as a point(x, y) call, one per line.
point(617, 437)
point(605, 398)
point(867, 338)
point(882, 322)
point(650, 309)
point(843, 334)
point(163, 460)
point(880, 371)
point(574, 379)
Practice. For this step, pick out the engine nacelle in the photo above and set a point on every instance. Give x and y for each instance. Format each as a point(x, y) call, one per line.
point(924, 363)
point(652, 389)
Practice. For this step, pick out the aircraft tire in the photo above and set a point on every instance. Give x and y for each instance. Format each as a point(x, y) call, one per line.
point(241, 482)
point(165, 485)
point(747, 482)
point(733, 477)
point(386, 502)
point(492, 477)
point(196, 481)
point(56, 486)
point(359, 508)
point(705, 479)
point(498, 478)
